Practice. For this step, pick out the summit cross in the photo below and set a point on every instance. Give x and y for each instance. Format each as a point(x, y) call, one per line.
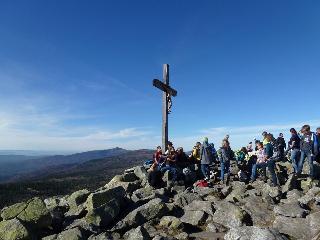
point(168, 92)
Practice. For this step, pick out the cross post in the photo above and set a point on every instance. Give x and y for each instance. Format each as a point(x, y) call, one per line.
point(165, 109)
point(167, 93)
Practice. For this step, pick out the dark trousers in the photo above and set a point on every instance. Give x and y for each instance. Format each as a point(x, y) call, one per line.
point(271, 168)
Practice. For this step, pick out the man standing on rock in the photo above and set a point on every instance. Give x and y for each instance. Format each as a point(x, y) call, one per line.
point(281, 145)
point(294, 145)
point(308, 146)
point(225, 156)
point(206, 158)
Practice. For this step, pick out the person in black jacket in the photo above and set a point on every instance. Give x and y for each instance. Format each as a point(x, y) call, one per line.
point(294, 146)
point(225, 156)
point(182, 160)
point(281, 145)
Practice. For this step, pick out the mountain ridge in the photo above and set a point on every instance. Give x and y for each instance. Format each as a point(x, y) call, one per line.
point(26, 164)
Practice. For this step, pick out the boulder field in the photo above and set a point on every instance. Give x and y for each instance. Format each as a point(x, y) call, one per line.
point(129, 208)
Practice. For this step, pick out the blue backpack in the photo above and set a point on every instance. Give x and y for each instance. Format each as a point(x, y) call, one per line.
point(315, 143)
point(213, 152)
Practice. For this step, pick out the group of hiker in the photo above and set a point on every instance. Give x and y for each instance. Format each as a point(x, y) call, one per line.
point(206, 163)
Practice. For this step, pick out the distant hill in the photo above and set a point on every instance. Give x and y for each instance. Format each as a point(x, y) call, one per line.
point(13, 166)
point(34, 153)
point(10, 158)
point(66, 178)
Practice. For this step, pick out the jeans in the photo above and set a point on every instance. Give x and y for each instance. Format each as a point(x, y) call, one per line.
point(172, 170)
point(225, 168)
point(306, 154)
point(271, 167)
point(294, 159)
point(205, 170)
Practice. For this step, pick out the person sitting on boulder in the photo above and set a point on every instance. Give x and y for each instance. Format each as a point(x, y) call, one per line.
point(225, 156)
point(170, 162)
point(181, 158)
point(206, 158)
point(157, 159)
point(294, 146)
point(241, 155)
point(264, 159)
point(308, 147)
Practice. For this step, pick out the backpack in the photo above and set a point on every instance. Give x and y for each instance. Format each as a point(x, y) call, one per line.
point(202, 183)
point(213, 152)
point(155, 179)
point(208, 151)
point(315, 144)
point(189, 176)
point(148, 164)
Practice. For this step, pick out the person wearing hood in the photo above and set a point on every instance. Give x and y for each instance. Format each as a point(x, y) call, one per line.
point(225, 156)
point(206, 158)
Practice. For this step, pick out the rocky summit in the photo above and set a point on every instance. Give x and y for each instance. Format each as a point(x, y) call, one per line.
point(129, 208)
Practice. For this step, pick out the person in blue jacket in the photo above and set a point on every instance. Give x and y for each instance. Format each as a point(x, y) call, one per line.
point(206, 158)
point(309, 149)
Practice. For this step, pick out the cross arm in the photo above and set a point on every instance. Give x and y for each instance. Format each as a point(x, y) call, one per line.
point(164, 87)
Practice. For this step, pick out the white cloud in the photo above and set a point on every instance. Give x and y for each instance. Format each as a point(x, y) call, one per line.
point(37, 140)
point(240, 135)
point(36, 131)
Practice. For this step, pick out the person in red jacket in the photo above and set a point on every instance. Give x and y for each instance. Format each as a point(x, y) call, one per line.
point(157, 157)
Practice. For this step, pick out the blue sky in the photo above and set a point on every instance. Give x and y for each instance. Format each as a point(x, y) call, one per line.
point(77, 75)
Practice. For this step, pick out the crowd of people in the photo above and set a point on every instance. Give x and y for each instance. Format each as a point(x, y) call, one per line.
point(207, 164)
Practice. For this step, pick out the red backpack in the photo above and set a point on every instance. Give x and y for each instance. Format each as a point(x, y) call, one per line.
point(202, 183)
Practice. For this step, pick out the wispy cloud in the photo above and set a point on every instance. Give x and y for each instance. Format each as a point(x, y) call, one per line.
point(60, 138)
point(240, 135)
point(38, 113)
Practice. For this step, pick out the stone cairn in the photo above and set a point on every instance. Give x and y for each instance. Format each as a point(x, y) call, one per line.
point(129, 208)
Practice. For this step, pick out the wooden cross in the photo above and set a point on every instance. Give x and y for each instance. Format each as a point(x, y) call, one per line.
point(166, 103)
